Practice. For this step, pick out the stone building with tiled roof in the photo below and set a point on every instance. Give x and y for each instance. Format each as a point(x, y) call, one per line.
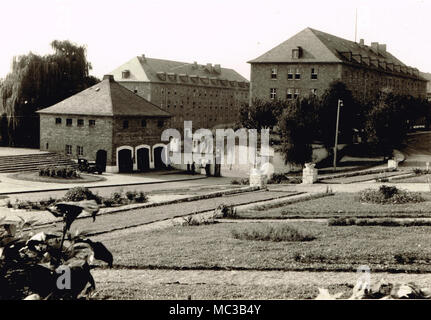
point(209, 95)
point(108, 122)
point(307, 62)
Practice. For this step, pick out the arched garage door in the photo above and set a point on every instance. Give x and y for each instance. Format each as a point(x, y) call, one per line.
point(143, 159)
point(125, 161)
point(159, 157)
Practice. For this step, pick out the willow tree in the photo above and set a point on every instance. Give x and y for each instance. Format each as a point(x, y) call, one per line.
point(36, 82)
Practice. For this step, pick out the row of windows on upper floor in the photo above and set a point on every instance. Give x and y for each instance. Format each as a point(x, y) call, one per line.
point(294, 76)
point(291, 93)
point(92, 123)
point(180, 104)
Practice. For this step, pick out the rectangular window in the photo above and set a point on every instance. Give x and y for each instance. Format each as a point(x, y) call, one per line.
point(313, 74)
point(92, 123)
point(80, 122)
point(296, 94)
point(125, 124)
point(295, 53)
point(143, 123)
point(68, 122)
point(68, 149)
point(290, 74)
point(57, 120)
point(297, 74)
point(274, 73)
point(272, 93)
point(79, 150)
point(289, 94)
point(160, 123)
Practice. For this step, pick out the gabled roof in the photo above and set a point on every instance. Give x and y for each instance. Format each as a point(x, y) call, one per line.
point(142, 68)
point(107, 98)
point(318, 46)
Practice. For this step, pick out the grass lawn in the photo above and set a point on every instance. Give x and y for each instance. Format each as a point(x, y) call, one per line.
point(343, 205)
point(34, 176)
point(393, 249)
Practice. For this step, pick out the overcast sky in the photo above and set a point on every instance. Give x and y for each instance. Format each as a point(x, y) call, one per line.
point(228, 32)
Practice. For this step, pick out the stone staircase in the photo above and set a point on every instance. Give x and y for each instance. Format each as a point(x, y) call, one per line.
point(32, 162)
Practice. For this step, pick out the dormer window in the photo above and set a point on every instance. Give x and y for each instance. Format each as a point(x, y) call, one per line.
point(274, 73)
point(296, 53)
point(125, 74)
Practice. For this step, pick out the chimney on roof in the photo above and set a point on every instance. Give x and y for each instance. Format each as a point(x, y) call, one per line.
point(209, 67)
point(382, 48)
point(195, 65)
point(361, 42)
point(217, 68)
point(375, 46)
point(109, 77)
point(143, 58)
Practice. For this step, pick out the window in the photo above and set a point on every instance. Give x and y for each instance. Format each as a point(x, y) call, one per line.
point(314, 92)
point(274, 73)
point(68, 122)
point(125, 74)
point(296, 94)
point(80, 122)
point(290, 74)
point(47, 146)
point(313, 74)
point(297, 74)
point(125, 124)
point(143, 123)
point(92, 123)
point(160, 123)
point(68, 149)
point(289, 94)
point(295, 53)
point(272, 93)
point(79, 150)
point(57, 120)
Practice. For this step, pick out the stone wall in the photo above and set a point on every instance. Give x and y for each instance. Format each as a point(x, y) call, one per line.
point(54, 137)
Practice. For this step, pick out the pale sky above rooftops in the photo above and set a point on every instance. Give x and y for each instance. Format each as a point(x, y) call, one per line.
point(226, 32)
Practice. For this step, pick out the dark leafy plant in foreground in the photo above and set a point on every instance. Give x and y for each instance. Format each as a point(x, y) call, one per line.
point(31, 265)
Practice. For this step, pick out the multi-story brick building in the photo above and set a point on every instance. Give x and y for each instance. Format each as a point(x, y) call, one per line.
point(108, 122)
point(310, 60)
point(209, 95)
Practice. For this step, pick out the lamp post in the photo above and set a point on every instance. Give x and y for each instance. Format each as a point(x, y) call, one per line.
point(340, 104)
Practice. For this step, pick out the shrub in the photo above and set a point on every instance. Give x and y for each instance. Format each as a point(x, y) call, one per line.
point(378, 222)
point(141, 197)
point(131, 195)
point(243, 181)
point(276, 233)
point(389, 195)
point(58, 172)
point(79, 194)
point(107, 202)
point(225, 211)
point(419, 171)
point(191, 221)
point(278, 178)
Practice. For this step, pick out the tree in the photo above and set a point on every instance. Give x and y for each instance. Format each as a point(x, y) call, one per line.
point(298, 127)
point(387, 123)
point(261, 114)
point(36, 82)
point(350, 115)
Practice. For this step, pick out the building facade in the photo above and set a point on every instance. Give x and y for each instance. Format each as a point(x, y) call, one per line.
point(309, 61)
point(208, 95)
point(106, 120)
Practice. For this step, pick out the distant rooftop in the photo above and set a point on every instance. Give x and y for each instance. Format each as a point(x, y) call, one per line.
point(107, 98)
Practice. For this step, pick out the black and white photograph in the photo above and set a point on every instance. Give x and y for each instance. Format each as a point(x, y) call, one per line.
point(215, 155)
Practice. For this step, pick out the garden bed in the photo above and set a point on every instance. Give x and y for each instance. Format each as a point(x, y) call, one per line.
point(391, 249)
point(342, 205)
point(35, 177)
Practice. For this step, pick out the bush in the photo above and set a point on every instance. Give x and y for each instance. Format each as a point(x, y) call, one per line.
point(131, 195)
point(141, 197)
point(419, 171)
point(378, 222)
point(59, 172)
point(389, 195)
point(225, 211)
point(243, 181)
point(81, 193)
point(276, 233)
point(278, 178)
